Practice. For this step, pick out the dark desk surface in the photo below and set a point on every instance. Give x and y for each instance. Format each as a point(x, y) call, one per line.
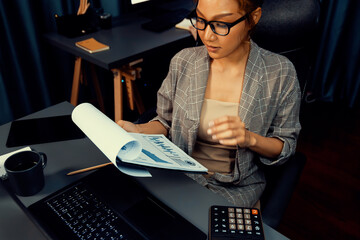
point(67, 156)
point(127, 41)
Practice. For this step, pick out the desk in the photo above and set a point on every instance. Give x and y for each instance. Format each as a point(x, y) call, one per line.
point(70, 155)
point(128, 42)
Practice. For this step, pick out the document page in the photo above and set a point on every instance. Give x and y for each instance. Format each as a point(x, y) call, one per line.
point(122, 147)
point(158, 151)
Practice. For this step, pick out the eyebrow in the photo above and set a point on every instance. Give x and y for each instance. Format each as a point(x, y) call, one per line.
point(216, 16)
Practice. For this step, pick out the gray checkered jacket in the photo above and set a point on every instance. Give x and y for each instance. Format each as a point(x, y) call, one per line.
point(269, 106)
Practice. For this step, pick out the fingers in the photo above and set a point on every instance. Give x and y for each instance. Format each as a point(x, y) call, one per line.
point(127, 126)
point(225, 127)
point(228, 130)
point(121, 123)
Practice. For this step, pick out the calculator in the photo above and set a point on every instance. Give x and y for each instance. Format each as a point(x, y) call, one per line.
point(228, 222)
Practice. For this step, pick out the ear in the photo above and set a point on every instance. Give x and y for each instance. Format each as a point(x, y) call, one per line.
point(256, 15)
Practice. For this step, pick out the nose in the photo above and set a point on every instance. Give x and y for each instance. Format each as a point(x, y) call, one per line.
point(209, 34)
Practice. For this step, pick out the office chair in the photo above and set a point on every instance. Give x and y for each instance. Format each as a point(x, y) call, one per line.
point(280, 184)
point(287, 27)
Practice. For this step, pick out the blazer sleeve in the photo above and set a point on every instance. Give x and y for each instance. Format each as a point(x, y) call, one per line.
point(165, 98)
point(286, 125)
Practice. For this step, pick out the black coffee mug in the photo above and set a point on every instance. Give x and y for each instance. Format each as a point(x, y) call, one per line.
point(25, 172)
point(105, 20)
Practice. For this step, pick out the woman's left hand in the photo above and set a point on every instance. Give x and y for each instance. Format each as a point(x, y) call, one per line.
point(231, 131)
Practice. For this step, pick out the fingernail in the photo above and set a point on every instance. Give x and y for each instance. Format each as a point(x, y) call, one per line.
point(213, 136)
point(209, 131)
point(211, 123)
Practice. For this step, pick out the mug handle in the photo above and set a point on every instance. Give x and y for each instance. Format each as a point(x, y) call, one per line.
point(43, 158)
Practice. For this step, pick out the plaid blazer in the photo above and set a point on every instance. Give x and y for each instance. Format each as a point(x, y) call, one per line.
point(269, 106)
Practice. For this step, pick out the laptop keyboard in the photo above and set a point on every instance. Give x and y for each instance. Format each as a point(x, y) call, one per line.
point(93, 209)
point(86, 215)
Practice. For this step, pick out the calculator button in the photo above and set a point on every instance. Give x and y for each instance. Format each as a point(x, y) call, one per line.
point(231, 210)
point(239, 210)
point(239, 215)
point(231, 220)
point(246, 210)
point(240, 227)
point(248, 227)
point(254, 211)
point(240, 221)
point(248, 222)
point(231, 215)
point(232, 226)
point(247, 216)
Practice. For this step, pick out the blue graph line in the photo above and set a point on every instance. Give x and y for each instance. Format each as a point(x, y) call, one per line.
point(167, 150)
point(153, 156)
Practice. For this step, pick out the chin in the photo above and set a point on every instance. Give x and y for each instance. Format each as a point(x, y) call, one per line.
point(215, 55)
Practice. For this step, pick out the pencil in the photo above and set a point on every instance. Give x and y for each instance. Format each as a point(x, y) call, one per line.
point(88, 169)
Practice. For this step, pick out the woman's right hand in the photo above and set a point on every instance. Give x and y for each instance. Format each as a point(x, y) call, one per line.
point(128, 126)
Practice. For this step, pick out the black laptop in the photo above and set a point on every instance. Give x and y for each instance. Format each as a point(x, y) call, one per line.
point(107, 204)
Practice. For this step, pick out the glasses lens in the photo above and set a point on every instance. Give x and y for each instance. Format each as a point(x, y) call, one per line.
point(198, 23)
point(220, 28)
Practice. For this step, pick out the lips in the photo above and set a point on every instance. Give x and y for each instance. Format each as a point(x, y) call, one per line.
point(212, 48)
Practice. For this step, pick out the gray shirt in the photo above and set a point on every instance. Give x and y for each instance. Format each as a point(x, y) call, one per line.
point(269, 106)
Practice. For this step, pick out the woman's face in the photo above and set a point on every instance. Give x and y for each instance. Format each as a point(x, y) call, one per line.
point(225, 11)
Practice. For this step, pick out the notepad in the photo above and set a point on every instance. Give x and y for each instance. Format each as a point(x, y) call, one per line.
point(184, 24)
point(91, 45)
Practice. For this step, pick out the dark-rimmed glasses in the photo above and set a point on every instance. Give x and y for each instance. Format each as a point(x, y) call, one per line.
point(218, 27)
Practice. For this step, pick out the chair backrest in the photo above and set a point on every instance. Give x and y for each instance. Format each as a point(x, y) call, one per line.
point(289, 27)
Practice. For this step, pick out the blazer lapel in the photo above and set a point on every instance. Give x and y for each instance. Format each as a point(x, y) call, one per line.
point(197, 89)
point(198, 85)
point(251, 90)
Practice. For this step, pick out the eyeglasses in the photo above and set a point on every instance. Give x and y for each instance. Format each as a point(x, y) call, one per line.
point(218, 27)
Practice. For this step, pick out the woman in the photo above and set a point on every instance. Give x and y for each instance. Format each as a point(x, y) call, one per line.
point(229, 103)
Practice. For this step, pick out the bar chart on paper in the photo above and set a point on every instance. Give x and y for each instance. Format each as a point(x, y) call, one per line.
point(168, 150)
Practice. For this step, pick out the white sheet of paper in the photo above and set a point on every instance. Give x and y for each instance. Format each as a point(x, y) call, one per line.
point(100, 126)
